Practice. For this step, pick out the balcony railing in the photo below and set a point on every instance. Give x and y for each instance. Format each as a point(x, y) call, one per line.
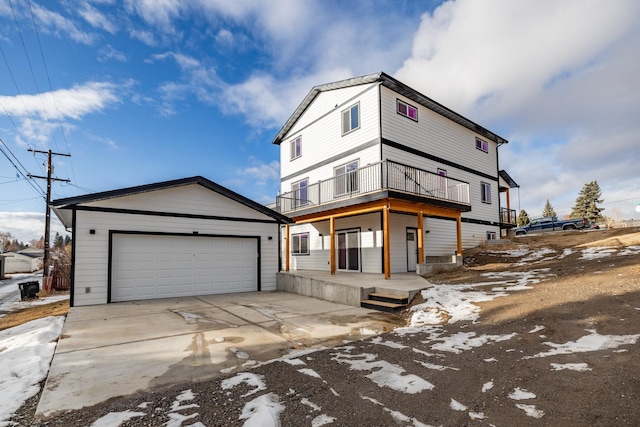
point(385, 175)
point(507, 216)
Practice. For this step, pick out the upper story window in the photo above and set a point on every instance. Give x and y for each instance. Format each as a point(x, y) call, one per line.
point(442, 172)
point(482, 145)
point(300, 192)
point(296, 148)
point(407, 110)
point(485, 192)
point(351, 118)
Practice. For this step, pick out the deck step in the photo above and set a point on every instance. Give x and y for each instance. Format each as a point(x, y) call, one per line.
point(396, 299)
point(389, 307)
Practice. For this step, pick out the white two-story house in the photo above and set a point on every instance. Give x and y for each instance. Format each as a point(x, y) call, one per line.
point(380, 178)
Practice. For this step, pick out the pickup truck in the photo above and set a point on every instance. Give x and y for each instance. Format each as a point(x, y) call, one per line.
point(543, 225)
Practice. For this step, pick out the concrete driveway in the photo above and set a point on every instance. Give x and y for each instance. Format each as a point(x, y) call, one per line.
point(117, 349)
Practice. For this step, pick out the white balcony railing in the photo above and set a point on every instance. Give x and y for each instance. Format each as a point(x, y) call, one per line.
point(385, 175)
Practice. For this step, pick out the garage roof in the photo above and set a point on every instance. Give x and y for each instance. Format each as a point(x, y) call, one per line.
point(64, 207)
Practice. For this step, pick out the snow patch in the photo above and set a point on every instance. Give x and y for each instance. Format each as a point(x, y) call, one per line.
point(263, 411)
point(252, 380)
point(580, 367)
point(521, 394)
point(487, 386)
point(321, 420)
point(596, 253)
point(115, 419)
point(457, 406)
point(310, 372)
point(530, 410)
point(384, 374)
point(25, 354)
point(592, 342)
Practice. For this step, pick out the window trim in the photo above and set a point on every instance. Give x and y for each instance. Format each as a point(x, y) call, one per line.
point(296, 249)
point(407, 107)
point(349, 114)
point(485, 196)
point(482, 145)
point(295, 148)
point(492, 235)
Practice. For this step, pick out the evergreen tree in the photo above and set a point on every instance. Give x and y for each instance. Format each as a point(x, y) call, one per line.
point(548, 210)
point(58, 241)
point(587, 203)
point(523, 218)
point(67, 240)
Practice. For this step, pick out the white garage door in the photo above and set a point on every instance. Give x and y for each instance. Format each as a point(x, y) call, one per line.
point(148, 266)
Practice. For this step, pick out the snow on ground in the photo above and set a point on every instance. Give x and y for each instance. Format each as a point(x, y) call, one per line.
point(592, 342)
point(25, 355)
point(597, 253)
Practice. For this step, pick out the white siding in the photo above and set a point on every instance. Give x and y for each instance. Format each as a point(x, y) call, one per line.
point(436, 135)
point(319, 246)
point(321, 131)
point(441, 238)
point(92, 250)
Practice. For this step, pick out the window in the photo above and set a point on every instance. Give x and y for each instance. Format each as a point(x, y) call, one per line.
point(442, 172)
point(491, 235)
point(346, 178)
point(296, 148)
point(485, 190)
point(407, 110)
point(351, 118)
point(482, 145)
point(300, 244)
point(300, 192)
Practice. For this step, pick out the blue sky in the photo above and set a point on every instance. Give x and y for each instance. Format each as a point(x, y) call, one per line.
point(145, 91)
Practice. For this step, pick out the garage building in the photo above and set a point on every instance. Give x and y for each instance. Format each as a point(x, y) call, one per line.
point(177, 238)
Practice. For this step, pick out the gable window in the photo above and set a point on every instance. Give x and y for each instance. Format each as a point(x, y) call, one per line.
point(482, 145)
point(407, 110)
point(346, 178)
point(300, 192)
point(485, 192)
point(296, 148)
point(351, 119)
point(300, 244)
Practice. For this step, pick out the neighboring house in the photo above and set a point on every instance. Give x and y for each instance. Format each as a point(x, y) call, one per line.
point(378, 178)
point(24, 261)
point(176, 238)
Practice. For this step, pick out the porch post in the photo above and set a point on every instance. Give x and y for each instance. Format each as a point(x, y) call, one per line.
point(508, 201)
point(286, 247)
point(459, 233)
point(386, 242)
point(420, 238)
point(332, 251)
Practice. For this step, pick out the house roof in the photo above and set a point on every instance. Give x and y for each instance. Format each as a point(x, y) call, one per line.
point(68, 204)
point(395, 85)
point(504, 175)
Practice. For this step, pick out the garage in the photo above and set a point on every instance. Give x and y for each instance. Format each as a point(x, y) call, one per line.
point(165, 266)
point(185, 237)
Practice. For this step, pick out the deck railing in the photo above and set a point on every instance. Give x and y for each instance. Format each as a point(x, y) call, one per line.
point(384, 175)
point(508, 216)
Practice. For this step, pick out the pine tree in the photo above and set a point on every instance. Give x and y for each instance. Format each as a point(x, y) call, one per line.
point(523, 218)
point(58, 241)
point(548, 210)
point(587, 203)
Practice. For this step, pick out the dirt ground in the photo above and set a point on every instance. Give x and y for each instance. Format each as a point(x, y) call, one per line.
point(580, 299)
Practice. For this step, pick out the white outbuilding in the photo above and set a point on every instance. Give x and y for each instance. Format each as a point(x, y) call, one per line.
point(185, 237)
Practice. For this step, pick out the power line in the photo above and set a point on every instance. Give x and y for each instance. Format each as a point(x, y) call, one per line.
point(15, 162)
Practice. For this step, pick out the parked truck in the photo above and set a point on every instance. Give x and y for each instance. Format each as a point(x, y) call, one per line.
point(543, 225)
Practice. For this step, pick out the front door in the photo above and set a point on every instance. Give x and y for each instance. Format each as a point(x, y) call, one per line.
point(412, 249)
point(349, 250)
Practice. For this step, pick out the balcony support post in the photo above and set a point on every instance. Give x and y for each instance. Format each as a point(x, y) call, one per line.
point(420, 238)
point(459, 234)
point(287, 247)
point(332, 244)
point(386, 242)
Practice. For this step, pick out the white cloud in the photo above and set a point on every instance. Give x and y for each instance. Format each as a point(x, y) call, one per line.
point(556, 78)
point(97, 19)
point(27, 226)
point(60, 104)
point(108, 52)
point(55, 23)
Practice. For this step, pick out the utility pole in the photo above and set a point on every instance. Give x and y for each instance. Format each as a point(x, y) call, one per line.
point(47, 224)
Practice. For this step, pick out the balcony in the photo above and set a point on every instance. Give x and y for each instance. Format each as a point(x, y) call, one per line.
point(396, 179)
point(507, 218)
